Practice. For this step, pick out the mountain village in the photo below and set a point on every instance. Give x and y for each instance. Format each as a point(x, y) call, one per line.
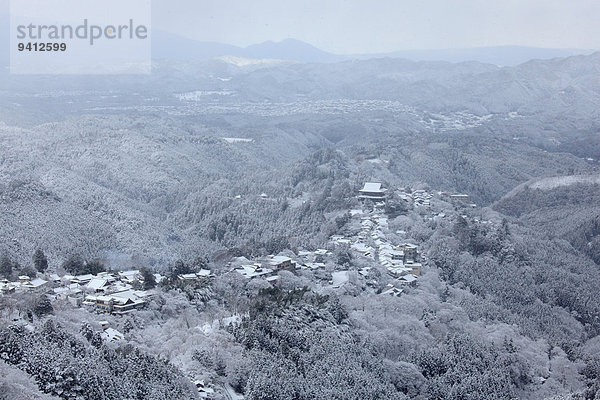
point(365, 236)
point(121, 293)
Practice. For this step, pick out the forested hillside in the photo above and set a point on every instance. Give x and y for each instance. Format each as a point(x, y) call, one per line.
point(226, 205)
point(153, 189)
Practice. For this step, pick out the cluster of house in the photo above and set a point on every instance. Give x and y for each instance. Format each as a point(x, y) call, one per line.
point(119, 303)
point(402, 260)
point(111, 292)
point(313, 259)
point(418, 197)
point(269, 267)
point(266, 267)
point(23, 283)
point(114, 292)
point(105, 292)
point(201, 275)
point(374, 191)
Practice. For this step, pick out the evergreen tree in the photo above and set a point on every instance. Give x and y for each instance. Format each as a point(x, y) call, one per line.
point(180, 268)
point(74, 264)
point(149, 280)
point(40, 261)
point(42, 306)
point(6, 267)
point(94, 267)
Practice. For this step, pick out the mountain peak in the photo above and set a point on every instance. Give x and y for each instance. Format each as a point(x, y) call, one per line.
point(291, 49)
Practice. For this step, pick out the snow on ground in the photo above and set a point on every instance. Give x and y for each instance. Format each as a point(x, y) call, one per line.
point(554, 182)
point(339, 278)
point(237, 140)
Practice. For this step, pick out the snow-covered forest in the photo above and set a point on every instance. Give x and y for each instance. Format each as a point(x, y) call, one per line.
point(161, 240)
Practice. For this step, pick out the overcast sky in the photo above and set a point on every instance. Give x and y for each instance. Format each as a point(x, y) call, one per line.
point(361, 26)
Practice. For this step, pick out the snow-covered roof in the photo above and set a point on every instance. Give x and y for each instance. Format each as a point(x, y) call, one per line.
point(413, 264)
point(358, 246)
point(314, 265)
point(112, 335)
point(398, 271)
point(10, 286)
point(393, 291)
point(392, 253)
point(277, 260)
point(84, 278)
point(408, 278)
point(129, 274)
point(251, 271)
point(372, 187)
point(96, 283)
point(36, 283)
point(127, 295)
point(66, 291)
point(204, 273)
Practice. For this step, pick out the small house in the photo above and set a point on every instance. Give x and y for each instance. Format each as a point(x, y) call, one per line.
point(415, 267)
point(281, 262)
point(97, 285)
point(35, 284)
point(391, 290)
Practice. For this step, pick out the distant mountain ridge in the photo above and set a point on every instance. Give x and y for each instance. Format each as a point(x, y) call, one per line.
point(171, 46)
point(497, 55)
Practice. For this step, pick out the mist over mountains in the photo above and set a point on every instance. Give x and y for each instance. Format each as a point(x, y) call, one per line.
point(170, 46)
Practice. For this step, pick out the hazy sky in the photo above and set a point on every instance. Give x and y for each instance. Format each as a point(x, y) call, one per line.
point(360, 26)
